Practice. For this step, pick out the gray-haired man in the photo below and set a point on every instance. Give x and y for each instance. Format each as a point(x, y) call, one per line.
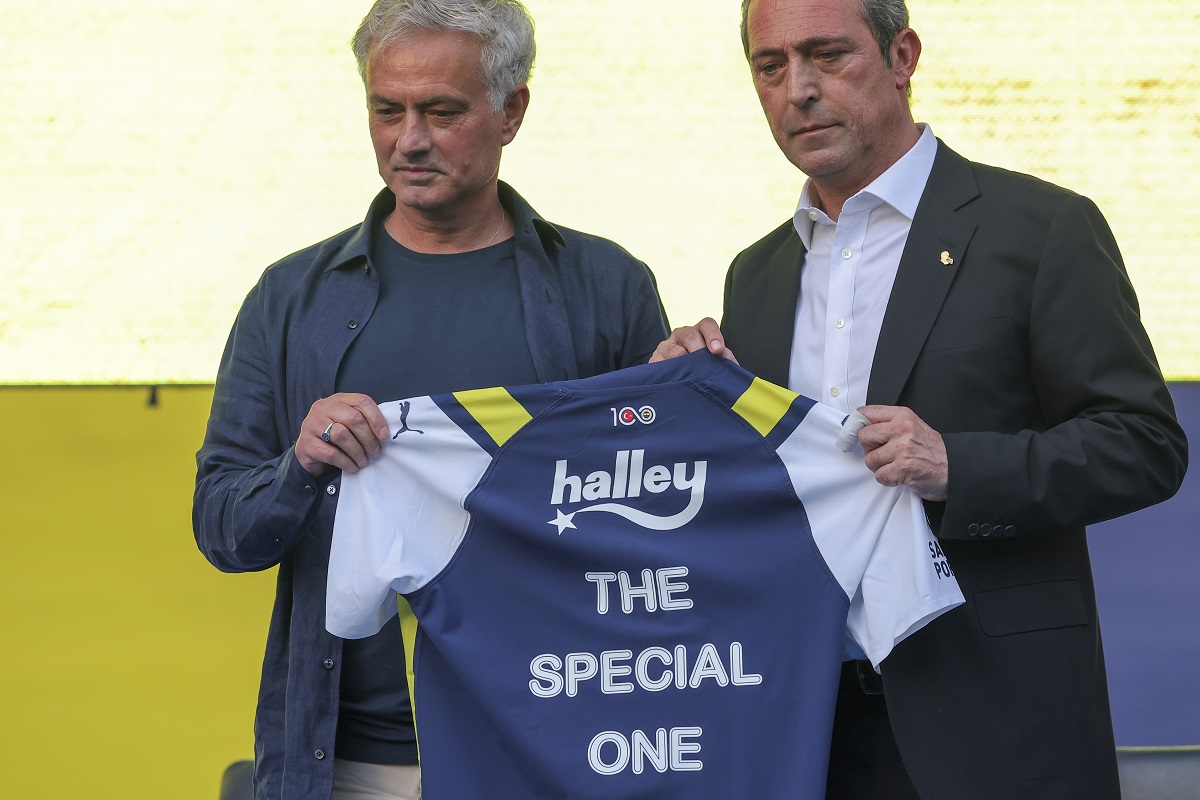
point(452, 282)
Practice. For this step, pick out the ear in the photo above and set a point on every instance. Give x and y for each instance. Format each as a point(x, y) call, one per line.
point(514, 112)
point(906, 51)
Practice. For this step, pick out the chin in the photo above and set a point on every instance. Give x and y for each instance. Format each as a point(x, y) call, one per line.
point(419, 200)
point(819, 165)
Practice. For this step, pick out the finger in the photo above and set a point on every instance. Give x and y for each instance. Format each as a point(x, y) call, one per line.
point(364, 427)
point(374, 417)
point(875, 435)
point(689, 338)
point(348, 444)
point(349, 428)
point(887, 476)
point(877, 459)
point(682, 341)
point(317, 456)
point(882, 413)
point(667, 350)
point(349, 441)
point(714, 340)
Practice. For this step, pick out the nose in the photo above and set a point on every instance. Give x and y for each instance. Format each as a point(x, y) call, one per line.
point(802, 82)
point(414, 135)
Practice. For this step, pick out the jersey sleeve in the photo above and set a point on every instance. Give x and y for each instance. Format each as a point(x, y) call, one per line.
point(400, 520)
point(875, 539)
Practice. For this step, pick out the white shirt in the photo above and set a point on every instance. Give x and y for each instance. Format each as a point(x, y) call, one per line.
point(847, 276)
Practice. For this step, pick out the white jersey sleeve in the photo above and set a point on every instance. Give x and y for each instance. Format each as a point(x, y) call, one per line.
point(876, 542)
point(400, 519)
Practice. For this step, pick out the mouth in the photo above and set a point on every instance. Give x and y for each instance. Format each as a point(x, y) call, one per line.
point(416, 171)
point(809, 130)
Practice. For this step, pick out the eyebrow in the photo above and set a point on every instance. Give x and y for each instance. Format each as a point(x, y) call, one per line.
point(448, 100)
point(805, 46)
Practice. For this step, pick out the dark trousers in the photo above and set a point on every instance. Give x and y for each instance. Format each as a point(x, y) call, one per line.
point(864, 762)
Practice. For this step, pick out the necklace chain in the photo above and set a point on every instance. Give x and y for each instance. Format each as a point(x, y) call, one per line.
point(503, 219)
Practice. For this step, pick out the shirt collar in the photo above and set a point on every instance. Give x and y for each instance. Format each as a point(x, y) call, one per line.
point(358, 247)
point(900, 186)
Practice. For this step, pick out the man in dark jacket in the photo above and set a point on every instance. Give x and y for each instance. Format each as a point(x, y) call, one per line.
point(452, 282)
point(985, 323)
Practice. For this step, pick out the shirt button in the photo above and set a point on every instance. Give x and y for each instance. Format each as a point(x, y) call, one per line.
point(847, 253)
point(319, 755)
point(352, 324)
point(839, 323)
point(327, 663)
point(331, 490)
point(836, 391)
point(309, 489)
point(814, 216)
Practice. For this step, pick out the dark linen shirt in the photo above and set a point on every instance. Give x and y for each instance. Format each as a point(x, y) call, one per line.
point(589, 308)
point(444, 322)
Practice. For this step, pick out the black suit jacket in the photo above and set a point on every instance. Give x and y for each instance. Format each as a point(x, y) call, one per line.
point(1012, 329)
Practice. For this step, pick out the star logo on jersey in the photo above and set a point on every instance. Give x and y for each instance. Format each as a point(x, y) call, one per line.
point(563, 521)
point(629, 478)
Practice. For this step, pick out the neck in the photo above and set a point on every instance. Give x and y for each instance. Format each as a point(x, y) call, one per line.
point(830, 196)
point(444, 234)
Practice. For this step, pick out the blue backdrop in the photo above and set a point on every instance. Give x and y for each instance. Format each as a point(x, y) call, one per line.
point(1147, 568)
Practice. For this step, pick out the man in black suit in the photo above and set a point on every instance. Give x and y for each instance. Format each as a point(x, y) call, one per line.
point(984, 322)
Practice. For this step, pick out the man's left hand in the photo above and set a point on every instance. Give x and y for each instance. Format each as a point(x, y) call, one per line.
point(903, 451)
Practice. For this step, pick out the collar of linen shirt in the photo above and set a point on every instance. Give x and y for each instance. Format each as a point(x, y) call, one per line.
point(847, 276)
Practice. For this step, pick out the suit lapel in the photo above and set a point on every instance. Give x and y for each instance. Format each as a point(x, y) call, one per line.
point(936, 249)
point(779, 310)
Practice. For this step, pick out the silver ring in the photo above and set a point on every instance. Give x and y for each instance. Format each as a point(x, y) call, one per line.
point(325, 435)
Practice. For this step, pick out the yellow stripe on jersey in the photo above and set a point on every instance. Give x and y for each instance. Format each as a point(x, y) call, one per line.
point(496, 412)
point(763, 404)
point(408, 633)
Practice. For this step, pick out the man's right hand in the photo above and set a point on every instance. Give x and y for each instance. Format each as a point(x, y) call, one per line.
point(704, 334)
point(355, 427)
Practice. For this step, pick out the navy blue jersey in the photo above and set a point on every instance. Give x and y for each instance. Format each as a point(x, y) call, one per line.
point(634, 585)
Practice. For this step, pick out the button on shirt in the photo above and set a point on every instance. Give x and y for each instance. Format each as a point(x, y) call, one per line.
point(847, 276)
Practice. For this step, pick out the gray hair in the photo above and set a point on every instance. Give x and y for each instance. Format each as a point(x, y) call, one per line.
point(885, 18)
point(503, 27)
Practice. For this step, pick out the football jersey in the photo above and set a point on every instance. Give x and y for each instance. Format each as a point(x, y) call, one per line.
point(636, 585)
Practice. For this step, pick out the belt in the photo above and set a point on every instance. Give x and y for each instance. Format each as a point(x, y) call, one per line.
point(863, 675)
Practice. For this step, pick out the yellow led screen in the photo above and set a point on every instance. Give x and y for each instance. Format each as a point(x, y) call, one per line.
point(155, 157)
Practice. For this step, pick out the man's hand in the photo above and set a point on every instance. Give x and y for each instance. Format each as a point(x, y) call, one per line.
point(903, 451)
point(705, 334)
point(355, 427)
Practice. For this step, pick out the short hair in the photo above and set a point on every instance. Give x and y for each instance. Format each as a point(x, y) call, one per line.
point(503, 27)
point(885, 18)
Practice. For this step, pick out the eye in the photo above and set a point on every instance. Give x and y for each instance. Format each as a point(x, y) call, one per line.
point(768, 68)
point(444, 114)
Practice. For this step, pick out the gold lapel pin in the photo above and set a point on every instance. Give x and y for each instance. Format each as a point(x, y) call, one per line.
point(947, 259)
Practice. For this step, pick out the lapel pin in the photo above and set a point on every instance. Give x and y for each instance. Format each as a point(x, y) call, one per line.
point(947, 259)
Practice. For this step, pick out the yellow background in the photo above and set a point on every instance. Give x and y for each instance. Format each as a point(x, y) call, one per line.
point(156, 156)
point(130, 666)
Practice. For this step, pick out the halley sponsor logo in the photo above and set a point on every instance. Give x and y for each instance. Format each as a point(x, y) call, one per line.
point(627, 480)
